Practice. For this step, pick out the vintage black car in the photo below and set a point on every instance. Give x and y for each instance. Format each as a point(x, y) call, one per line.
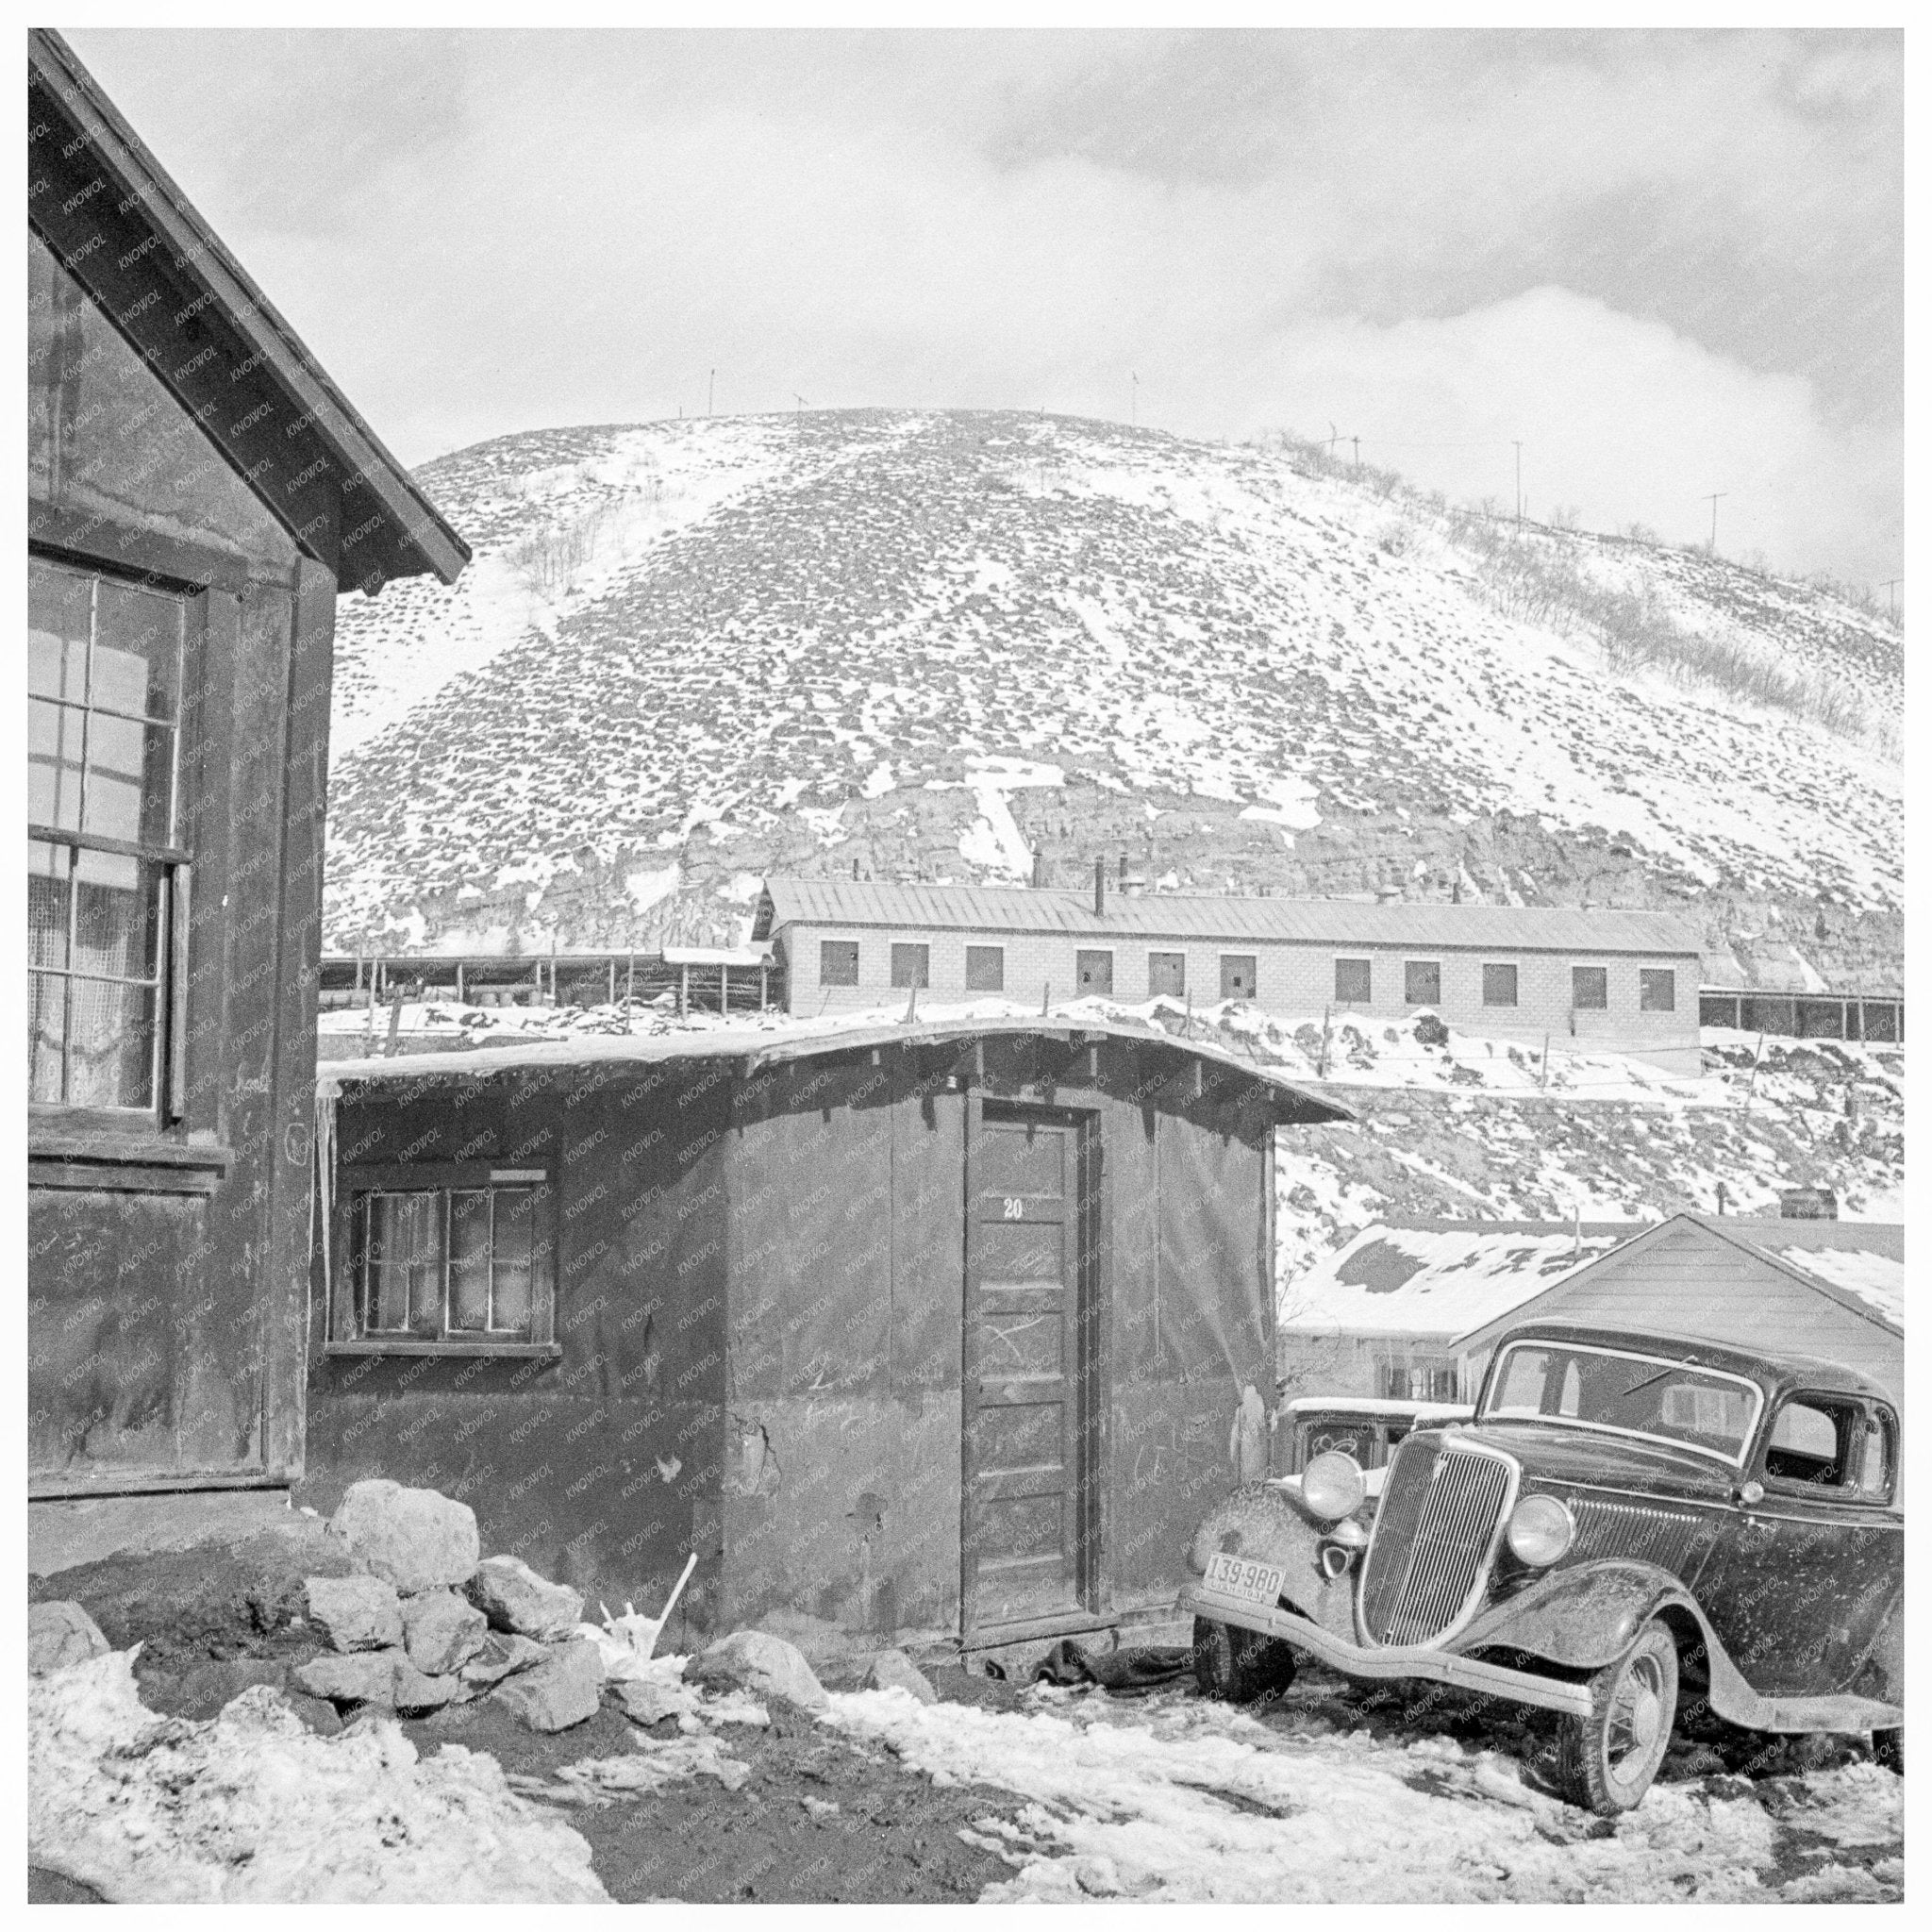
point(1628, 1518)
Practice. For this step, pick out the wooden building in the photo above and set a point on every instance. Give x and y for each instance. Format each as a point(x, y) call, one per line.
point(197, 490)
point(1831, 1288)
point(1585, 980)
point(935, 1331)
point(1384, 1316)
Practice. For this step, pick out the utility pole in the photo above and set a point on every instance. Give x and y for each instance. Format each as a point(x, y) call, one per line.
point(1711, 499)
point(1519, 485)
point(1890, 586)
point(1134, 405)
point(1357, 441)
point(712, 395)
point(1334, 437)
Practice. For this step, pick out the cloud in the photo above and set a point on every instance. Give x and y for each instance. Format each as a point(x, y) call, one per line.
point(1670, 263)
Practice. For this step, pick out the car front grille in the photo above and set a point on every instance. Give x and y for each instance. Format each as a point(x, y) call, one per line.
point(1434, 1531)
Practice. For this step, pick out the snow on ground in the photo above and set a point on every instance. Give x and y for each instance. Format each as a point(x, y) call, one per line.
point(1179, 1799)
point(253, 1805)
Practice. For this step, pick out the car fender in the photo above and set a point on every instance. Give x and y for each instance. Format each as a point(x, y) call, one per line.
point(1267, 1523)
point(1583, 1617)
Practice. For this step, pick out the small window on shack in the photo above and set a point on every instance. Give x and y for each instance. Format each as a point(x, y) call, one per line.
point(910, 964)
point(1499, 986)
point(1657, 989)
point(1167, 974)
point(1095, 970)
point(454, 1258)
point(1354, 982)
point(986, 969)
point(1237, 975)
point(1590, 988)
point(838, 962)
point(1421, 982)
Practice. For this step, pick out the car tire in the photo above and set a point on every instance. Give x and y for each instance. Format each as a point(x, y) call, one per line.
point(1239, 1666)
point(1606, 1762)
point(1889, 1747)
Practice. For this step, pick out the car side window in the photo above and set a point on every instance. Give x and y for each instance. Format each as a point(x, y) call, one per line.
point(1817, 1444)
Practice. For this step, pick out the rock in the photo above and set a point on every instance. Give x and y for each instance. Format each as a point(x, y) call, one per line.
point(500, 1657)
point(892, 1670)
point(441, 1632)
point(562, 1691)
point(359, 1677)
point(412, 1689)
point(318, 1713)
point(355, 1612)
point(204, 1689)
point(60, 1634)
point(514, 1597)
point(418, 1539)
point(756, 1660)
point(650, 1700)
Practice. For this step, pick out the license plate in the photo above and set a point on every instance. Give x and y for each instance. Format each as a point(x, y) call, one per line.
point(1251, 1583)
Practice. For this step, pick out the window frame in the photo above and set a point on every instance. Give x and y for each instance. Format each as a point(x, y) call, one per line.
point(158, 1119)
point(1252, 962)
point(347, 1335)
point(1355, 962)
point(901, 960)
point(825, 947)
point(978, 956)
point(1412, 966)
point(1582, 1006)
point(1646, 976)
point(1179, 993)
point(1515, 999)
point(1082, 954)
point(1858, 1414)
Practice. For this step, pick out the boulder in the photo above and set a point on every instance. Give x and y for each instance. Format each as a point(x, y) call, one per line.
point(414, 1690)
point(514, 1597)
point(359, 1677)
point(418, 1539)
point(500, 1657)
point(60, 1634)
point(441, 1632)
point(892, 1670)
point(562, 1691)
point(318, 1713)
point(355, 1612)
point(756, 1660)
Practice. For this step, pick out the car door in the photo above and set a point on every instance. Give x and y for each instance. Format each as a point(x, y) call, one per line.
point(1809, 1566)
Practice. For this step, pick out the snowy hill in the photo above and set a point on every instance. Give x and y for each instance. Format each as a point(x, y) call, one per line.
point(693, 652)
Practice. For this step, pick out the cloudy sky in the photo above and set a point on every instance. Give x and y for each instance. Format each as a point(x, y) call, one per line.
point(1670, 264)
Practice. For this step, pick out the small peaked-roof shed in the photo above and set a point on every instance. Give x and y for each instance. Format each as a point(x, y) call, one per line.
point(941, 1330)
point(1833, 1289)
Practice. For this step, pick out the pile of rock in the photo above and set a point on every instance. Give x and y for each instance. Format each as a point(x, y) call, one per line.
point(424, 1624)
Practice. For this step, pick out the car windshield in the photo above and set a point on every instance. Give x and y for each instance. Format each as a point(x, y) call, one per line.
point(1632, 1394)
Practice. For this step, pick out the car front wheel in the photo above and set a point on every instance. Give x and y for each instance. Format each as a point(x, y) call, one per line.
point(1237, 1665)
point(1607, 1760)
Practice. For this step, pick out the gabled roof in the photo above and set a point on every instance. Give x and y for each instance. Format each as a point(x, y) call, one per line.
point(759, 1046)
point(1175, 916)
point(1438, 1279)
point(1858, 1264)
point(79, 143)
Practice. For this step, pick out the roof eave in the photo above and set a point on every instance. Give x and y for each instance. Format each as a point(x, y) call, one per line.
point(411, 516)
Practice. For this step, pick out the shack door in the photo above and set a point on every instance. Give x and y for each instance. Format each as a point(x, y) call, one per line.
point(1024, 1469)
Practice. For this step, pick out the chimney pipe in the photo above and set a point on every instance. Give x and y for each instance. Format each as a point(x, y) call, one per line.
point(1099, 889)
point(1123, 872)
point(1038, 866)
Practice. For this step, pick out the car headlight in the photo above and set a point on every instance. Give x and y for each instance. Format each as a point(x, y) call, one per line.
point(1332, 1485)
point(1541, 1530)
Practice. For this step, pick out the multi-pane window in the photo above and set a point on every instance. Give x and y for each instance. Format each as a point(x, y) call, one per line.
point(986, 969)
point(1657, 989)
point(1590, 988)
point(1354, 982)
point(1499, 986)
point(1237, 975)
point(1421, 982)
point(1094, 971)
point(911, 964)
point(451, 1264)
point(105, 863)
point(838, 962)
